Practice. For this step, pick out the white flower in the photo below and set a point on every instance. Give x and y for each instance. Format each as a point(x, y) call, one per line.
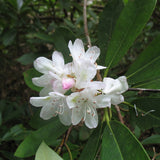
point(84, 104)
point(53, 104)
point(85, 71)
point(78, 76)
point(78, 52)
point(114, 88)
point(57, 76)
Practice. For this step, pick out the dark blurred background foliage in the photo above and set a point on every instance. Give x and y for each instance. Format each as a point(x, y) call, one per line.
point(33, 28)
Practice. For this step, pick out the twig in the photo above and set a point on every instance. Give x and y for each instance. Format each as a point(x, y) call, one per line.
point(61, 145)
point(143, 89)
point(68, 133)
point(99, 77)
point(125, 110)
point(30, 109)
point(64, 143)
point(119, 114)
point(69, 151)
point(87, 33)
point(155, 154)
point(85, 22)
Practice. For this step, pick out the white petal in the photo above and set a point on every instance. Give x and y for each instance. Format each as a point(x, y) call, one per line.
point(103, 101)
point(58, 60)
point(87, 93)
point(112, 86)
point(92, 54)
point(85, 71)
point(91, 119)
point(69, 68)
point(39, 101)
point(48, 111)
point(43, 65)
point(43, 80)
point(116, 99)
point(54, 106)
point(77, 49)
point(116, 86)
point(98, 67)
point(65, 118)
point(56, 95)
point(124, 84)
point(44, 91)
point(54, 76)
point(77, 115)
point(96, 85)
point(72, 99)
point(57, 87)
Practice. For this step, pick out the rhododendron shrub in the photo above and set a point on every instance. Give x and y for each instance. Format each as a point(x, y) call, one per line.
point(100, 101)
point(78, 76)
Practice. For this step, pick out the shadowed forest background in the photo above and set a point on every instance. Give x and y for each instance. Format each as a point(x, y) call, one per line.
point(34, 28)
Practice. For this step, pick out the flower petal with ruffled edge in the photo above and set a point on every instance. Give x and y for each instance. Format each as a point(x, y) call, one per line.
point(118, 86)
point(116, 99)
point(57, 75)
point(91, 119)
point(114, 88)
point(76, 49)
point(84, 104)
point(43, 80)
point(52, 105)
point(92, 54)
point(85, 71)
point(78, 52)
point(43, 65)
point(44, 91)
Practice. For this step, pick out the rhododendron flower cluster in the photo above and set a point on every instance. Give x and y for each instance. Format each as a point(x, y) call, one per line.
point(69, 90)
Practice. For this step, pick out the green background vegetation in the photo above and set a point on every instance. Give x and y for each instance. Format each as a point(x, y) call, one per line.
point(128, 34)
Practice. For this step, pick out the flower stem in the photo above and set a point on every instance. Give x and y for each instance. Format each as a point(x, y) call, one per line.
point(64, 141)
point(85, 22)
point(119, 114)
point(69, 151)
point(107, 115)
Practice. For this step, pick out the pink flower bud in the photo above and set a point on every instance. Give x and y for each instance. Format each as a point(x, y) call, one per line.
point(68, 83)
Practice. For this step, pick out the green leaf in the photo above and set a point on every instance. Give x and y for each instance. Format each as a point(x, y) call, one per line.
point(13, 3)
point(148, 113)
point(61, 39)
point(44, 36)
point(28, 75)
point(90, 148)
point(37, 122)
point(8, 155)
point(26, 59)
point(46, 153)
point(9, 37)
point(84, 133)
point(110, 147)
point(129, 25)
point(144, 72)
point(17, 132)
point(125, 1)
point(49, 133)
point(106, 25)
point(155, 139)
point(119, 143)
point(1, 120)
